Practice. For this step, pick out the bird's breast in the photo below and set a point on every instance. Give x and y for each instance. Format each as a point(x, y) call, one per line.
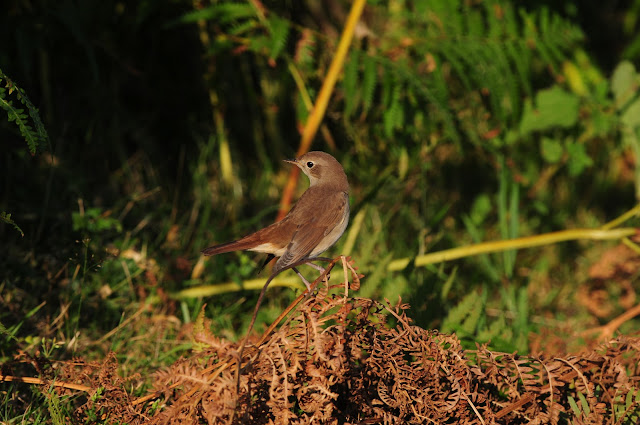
point(332, 237)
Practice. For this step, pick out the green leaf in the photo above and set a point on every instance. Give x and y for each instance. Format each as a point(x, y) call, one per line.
point(222, 13)
point(94, 221)
point(480, 209)
point(579, 160)
point(551, 150)
point(34, 138)
point(350, 83)
point(279, 29)
point(631, 116)
point(260, 44)
point(393, 116)
point(244, 27)
point(574, 406)
point(623, 81)
point(7, 219)
point(585, 404)
point(464, 317)
point(554, 107)
point(369, 80)
point(601, 123)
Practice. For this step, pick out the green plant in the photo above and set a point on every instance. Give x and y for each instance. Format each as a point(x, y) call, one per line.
point(461, 125)
point(6, 217)
point(35, 137)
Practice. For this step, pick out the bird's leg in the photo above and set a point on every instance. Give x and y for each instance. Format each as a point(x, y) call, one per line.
point(308, 262)
point(317, 267)
point(304, 280)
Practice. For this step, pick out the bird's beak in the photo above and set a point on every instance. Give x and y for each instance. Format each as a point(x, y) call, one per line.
point(291, 161)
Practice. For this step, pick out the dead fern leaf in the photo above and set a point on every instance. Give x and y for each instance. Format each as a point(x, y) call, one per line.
point(340, 359)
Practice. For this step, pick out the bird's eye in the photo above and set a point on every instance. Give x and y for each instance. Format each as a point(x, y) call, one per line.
point(310, 164)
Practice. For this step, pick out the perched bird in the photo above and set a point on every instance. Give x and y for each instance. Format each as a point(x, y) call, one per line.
point(312, 226)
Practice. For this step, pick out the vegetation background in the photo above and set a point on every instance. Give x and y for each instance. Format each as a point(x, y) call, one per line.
point(161, 130)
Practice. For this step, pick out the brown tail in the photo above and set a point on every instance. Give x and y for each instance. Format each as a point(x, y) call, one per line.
point(239, 245)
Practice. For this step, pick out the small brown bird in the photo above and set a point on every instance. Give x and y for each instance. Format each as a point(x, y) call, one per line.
point(312, 226)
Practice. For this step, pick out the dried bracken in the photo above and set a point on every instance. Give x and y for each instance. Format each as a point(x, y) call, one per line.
point(339, 359)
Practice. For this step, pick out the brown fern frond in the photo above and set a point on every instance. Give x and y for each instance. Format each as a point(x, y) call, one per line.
point(336, 358)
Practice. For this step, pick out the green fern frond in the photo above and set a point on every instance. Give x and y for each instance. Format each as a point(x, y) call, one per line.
point(386, 88)
point(222, 13)
point(242, 23)
point(350, 82)
point(7, 219)
point(464, 316)
point(35, 138)
point(233, 11)
point(369, 81)
point(243, 28)
point(359, 82)
point(392, 116)
point(489, 49)
point(279, 31)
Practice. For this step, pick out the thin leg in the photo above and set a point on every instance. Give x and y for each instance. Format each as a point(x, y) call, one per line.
point(317, 267)
point(304, 280)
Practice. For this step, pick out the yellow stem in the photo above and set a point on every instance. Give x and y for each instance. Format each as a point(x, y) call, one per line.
point(317, 113)
point(518, 243)
point(329, 83)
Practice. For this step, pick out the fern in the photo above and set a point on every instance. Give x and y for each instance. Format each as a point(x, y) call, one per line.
point(393, 116)
point(444, 51)
point(35, 137)
point(350, 83)
point(279, 31)
point(489, 49)
point(460, 314)
point(369, 80)
point(222, 13)
point(265, 36)
point(5, 217)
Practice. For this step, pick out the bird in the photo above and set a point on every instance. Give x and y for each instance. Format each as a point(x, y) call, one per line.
point(313, 225)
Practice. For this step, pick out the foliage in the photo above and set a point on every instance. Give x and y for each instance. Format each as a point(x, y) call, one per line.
point(457, 123)
point(624, 85)
point(7, 219)
point(35, 138)
point(93, 220)
point(345, 359)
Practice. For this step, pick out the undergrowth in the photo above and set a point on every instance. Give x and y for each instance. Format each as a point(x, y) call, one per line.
point(343, 359)
point(154, 129)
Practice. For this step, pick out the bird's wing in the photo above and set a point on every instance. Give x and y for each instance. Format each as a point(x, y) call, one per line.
point(309, 233)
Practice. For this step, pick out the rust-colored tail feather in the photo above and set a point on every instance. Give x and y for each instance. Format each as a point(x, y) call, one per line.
point(239, 245)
